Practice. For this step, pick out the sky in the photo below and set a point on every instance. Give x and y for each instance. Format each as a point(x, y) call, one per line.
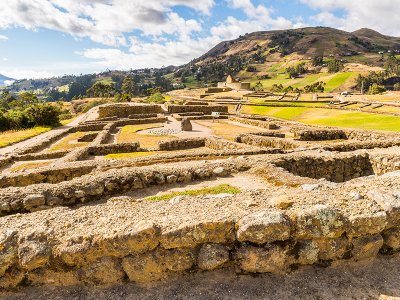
point(43, 38)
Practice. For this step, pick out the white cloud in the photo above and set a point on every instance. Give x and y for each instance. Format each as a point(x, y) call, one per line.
point(161, 52)
point(3, 38)
point(378, 15)
point(103, 21)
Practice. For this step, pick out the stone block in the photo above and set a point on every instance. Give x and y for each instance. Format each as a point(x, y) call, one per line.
point(264, 227)
point(366, 247)
point(212, 256)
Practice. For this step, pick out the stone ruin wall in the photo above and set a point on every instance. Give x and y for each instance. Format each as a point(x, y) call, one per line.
point(125, 110)
point(264, 241)
point(205, 109)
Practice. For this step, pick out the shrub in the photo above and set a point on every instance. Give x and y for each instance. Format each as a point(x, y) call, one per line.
point(376, 89)
point(43, 114)
point(155, 98)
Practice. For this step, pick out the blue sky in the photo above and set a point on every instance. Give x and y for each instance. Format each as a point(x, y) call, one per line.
point(41, 38)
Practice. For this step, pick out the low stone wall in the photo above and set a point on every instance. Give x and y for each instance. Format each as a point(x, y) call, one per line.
point(320, 135)
point(142, 116)
point(125, 122)
point(203, 117)
point(44, 175)
point(369, 135)
point(125, 110)
point(104, 135)
point(355, 145)
point(96, 126)
point(196, 103)
point(339, 168)
point(181, 144)
point(268, 142)
point(383, 163)
point(89, 137)
point(115, 181)
point(74, 155)
point(113, 148)
point(217, 143)
point(261, 241)
point(258, 123)
point(206, 109)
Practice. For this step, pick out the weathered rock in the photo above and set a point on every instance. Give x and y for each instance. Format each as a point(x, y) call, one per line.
point(8, 250)
point(264, 227)
point(391, 238)
point(141, 237)
point(34, 250)
point(191, 235)
point(34, 200)
point(220, 171)
point(144, 267)
point(262, 260)
point(212, 256)
point(319, 221)
point(172, 179)
point(177, 260)
point(53, 278)
point(367, 224)
point(366, 247)
point(11, 279)
point(282, 201)
point(106, 270)
point(186, 125)
point(331, 249)
point(307, 252)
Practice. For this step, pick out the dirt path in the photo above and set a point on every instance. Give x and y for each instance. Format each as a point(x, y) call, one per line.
point(369, 280)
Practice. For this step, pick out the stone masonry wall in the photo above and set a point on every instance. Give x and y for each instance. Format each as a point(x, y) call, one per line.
point(262, 241)
point(206, 109)
point(180, 144)
point(115, 181)
point(125, 110)
point(337, 168)
point(320, 135)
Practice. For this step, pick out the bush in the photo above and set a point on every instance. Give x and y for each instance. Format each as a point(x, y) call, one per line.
point(155, 98)
point(396, 86)
point(376, 89)
point(43, 114)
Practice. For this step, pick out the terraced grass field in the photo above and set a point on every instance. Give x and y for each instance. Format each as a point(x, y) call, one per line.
point(329, 117)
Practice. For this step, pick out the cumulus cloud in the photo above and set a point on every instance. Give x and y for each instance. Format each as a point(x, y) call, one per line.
point(26, 74)
point(103, 21)
point(355, 14)
point(3, 38)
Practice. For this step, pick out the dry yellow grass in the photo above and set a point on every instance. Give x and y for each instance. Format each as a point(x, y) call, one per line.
point(14, 136)
point(70, 142)
point(29, 165)
point(130, 134)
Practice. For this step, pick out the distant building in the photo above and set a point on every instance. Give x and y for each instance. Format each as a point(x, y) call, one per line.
point(232, 83)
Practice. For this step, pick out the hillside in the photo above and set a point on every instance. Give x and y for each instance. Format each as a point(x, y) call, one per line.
point(4, 80)
point(260, 55)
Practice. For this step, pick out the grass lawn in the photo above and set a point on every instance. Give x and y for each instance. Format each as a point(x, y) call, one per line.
point(70, 142)
point(220, 189)
point(338, 80)
point(290, 103)
point(130, 134)
point(329, 117)
point(14, 136)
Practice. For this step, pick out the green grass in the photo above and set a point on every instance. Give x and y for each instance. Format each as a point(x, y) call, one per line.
point(14, 136)
point(338, 80)
point(329, 117)
point(290, 104)
point(220, 189)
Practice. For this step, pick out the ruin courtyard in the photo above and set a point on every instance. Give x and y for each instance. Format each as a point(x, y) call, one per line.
point(148, 193)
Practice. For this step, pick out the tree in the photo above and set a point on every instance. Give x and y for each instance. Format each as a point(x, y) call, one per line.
point(259, 87)
point(317, 60)
point(335, 66)
point(376, 89)
point(128, 86)
point(43, 114)
point(392, 65)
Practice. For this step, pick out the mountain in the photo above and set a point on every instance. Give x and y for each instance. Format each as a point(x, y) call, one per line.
point(4, 80)
point(305, 42)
